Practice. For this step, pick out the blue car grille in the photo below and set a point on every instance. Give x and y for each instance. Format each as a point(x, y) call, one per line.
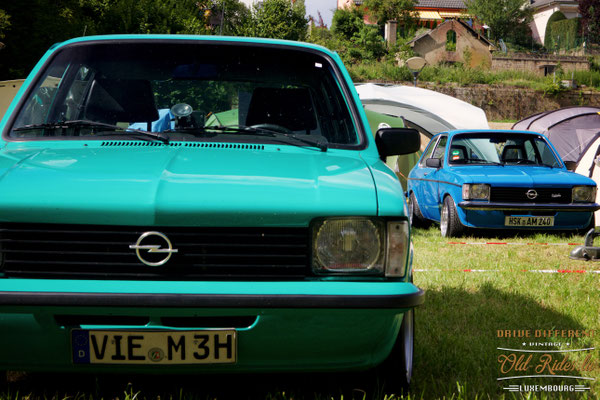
point(519, 195)
point(103, 252)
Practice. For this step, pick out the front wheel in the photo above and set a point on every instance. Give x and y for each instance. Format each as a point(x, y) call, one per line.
point(414, 213)
point(450, 224)
point(396, 371)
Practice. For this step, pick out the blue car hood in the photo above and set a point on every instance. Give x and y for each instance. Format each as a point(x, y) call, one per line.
point(283, 186)
point(521, 176)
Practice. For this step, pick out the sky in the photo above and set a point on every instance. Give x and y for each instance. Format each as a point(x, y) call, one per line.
point(326, 7)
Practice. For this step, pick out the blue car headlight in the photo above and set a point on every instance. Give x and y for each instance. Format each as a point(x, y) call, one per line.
point(479, 191)
point(584, 194)
point(359, 245)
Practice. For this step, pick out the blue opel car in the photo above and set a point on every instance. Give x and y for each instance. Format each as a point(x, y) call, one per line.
point(188, 204)
point(500, 180)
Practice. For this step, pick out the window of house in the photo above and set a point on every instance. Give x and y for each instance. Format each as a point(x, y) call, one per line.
point(451, 40)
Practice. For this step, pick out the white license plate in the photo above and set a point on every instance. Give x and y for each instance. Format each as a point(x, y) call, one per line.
point(154, 347)
point(529, 221)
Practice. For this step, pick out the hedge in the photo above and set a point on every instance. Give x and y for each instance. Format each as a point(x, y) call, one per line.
point(564, 34)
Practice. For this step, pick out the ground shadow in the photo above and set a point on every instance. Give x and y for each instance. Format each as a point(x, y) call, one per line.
point(459, 333)
point(456, 340)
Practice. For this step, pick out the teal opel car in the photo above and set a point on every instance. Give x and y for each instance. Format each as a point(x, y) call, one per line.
point(189, 204)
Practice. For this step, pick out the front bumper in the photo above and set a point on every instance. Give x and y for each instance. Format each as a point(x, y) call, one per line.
point(298, 326)
point(528, 207)
point(494, 217)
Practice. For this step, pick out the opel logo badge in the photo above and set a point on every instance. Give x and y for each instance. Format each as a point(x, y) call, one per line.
point(531, 194)
point(150, 246)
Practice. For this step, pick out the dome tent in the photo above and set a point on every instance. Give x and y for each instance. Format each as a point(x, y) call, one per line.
point(427, 111)
point(575, 133)
point(572, 130)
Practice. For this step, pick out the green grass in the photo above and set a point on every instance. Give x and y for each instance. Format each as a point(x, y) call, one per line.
point(457, 74)
point(456, 354)
point(464, 310)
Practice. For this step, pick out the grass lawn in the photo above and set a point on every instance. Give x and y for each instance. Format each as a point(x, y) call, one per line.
point(457, 340)
point(457, 328)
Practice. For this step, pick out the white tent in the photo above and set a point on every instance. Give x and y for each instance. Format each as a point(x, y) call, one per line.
point(428, 111)
point(435, 112)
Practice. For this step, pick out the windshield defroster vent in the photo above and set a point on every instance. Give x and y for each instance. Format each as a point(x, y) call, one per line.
point(236, 146)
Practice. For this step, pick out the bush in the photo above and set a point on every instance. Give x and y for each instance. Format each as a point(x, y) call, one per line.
point(564, 34)
point(557, 16)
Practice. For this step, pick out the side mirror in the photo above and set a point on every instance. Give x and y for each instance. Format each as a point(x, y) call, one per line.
point(397, 141)
point(433, 163)
point(571, 165)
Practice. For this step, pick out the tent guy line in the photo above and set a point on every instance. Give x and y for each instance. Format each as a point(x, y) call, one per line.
point(515, 244)
point(540, 271)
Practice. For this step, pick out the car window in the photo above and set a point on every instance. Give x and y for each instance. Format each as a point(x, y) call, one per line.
point(428, 151)
point(501, 148)
point(137, 86)
point(440, 149)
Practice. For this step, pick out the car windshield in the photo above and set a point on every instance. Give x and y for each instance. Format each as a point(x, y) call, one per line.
point(190, 91)
point(500, 148)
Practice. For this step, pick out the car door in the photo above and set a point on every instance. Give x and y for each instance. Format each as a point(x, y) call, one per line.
point(418, 175)
point(430, 185)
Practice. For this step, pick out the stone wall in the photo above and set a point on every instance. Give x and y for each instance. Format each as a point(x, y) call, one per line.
point(537, 64)
point(501, 103)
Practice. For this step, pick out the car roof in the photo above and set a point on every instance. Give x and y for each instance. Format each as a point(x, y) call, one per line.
point(507, 131)
point(201, 38)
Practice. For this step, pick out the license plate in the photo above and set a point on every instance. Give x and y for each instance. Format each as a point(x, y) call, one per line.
point(529, 221)
point(154, 347)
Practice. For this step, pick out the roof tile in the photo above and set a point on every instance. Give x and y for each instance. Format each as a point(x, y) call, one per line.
point(442, 3)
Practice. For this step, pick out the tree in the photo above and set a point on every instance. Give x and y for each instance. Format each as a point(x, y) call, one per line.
point(391, 10)
point(347, 22)
point(279, 19)
point(34, 26)
point(590, 19)
point(507, 19)
point(4, 22)
point(235, 17)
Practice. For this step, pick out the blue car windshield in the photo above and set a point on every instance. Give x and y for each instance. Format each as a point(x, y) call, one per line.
point(501, 148)
point(189, 91)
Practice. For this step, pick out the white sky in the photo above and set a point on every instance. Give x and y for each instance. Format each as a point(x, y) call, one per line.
point(326, 7)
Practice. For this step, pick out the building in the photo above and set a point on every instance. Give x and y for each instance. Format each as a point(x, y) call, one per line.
point(454, 41)
point(544, 9)
point(430, 13)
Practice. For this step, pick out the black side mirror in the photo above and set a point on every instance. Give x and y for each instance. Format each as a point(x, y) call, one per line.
point(571, 165)
point(397, 141)
point(433, 163)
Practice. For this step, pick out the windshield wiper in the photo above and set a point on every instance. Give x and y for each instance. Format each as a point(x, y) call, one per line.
point(474, 161)
point(87, 123)
point(274, 132)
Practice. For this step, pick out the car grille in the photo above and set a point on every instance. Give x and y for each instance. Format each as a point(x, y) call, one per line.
point(103, 252)
point(519, 195)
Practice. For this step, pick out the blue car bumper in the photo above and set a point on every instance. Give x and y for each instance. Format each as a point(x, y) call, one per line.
point(493, 215)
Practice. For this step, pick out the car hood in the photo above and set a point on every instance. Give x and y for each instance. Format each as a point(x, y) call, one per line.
point(183, 186)
point(518, 176)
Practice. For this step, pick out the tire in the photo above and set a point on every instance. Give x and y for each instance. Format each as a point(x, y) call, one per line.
point(450, 225)
point(591, 225)
point(396, 370)
point(414, 213)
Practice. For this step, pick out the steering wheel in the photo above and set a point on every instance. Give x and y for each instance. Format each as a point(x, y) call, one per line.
point(272, 127)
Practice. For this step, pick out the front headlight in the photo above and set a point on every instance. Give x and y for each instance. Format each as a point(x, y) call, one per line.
point(478, 191)
point(584, 194)
point(359, 245)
